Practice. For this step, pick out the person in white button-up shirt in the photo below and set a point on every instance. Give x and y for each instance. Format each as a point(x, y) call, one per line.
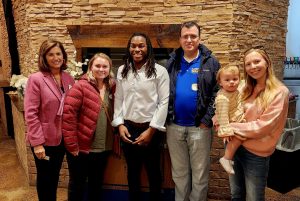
point(140, 110)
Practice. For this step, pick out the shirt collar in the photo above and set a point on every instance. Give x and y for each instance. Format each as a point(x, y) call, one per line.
point(143, 68)
point(196, 59)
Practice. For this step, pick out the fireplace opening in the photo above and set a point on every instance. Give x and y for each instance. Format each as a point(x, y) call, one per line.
point(117, 55)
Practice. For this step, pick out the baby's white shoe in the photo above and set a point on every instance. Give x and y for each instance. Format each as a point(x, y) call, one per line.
point(227, 165)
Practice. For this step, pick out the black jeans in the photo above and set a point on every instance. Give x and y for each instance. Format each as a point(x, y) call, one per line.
point(136, 156)
point(86, 169)
point(48, 172)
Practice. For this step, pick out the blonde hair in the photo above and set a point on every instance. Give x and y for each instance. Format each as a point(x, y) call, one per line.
point(108, 80)
point(232, 69)
point(266, 96)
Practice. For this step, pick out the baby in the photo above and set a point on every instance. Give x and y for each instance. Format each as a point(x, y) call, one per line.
point(229, 109)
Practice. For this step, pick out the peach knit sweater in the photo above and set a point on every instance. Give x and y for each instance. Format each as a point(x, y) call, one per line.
point(263, 128)
point(228, 109)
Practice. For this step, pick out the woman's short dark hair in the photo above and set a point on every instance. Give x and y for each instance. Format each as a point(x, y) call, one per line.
point(46, 46)
point(150, 65)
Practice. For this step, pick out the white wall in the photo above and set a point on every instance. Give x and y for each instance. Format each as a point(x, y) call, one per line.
point(293, 26)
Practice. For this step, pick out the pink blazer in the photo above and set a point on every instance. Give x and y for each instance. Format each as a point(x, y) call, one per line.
point(43, 105)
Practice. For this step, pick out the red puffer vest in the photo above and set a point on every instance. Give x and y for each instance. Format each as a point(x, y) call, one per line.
point(80, 115)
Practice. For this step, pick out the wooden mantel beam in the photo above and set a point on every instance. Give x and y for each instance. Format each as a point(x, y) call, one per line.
point(116, 36)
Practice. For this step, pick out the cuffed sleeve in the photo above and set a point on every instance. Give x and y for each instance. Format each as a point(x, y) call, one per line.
point(163, 89)
point(118, 104)
point(32, 103)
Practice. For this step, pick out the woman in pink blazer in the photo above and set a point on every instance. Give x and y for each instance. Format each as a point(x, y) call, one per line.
point(44, 100)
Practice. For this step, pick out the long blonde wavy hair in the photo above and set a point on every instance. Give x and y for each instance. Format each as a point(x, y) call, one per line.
point(267, 95)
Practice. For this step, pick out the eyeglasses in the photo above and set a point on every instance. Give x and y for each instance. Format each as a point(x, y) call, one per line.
point(186, 37)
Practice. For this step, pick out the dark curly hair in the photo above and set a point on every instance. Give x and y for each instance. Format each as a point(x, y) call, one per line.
point(128, 60)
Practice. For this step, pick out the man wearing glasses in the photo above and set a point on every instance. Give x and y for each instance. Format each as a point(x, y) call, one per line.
point(193, 88)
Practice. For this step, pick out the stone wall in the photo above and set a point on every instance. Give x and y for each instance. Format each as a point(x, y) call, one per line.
point(229, 27)
point(5, 69)
point(19, 129)
point(260, 23)
point(43, 19)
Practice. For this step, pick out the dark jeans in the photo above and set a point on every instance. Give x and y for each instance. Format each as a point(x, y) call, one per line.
point(86, 169)
point(136, 156)
point(48, 172)
point(250, 178)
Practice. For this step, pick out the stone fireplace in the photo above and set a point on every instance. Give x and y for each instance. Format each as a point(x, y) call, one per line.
point(228, 28)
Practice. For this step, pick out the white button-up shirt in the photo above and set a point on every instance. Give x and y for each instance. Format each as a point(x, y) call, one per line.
point(141, 99)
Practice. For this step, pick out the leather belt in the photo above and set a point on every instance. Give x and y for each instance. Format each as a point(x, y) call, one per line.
point(137, 125)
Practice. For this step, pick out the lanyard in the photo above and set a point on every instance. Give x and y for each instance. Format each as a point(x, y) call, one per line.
point(62, 100)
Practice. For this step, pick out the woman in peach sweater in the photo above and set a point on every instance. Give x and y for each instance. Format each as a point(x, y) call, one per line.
point(265, 101)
